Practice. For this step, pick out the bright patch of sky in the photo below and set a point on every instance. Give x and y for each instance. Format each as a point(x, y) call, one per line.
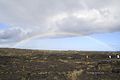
point(3, 26)
point(112, 39)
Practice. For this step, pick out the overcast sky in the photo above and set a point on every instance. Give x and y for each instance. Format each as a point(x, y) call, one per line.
point(60, 24)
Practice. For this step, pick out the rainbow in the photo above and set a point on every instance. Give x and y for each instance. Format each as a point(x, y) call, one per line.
point(63, 33)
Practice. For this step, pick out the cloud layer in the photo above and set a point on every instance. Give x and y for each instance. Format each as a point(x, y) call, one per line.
point(29, 18)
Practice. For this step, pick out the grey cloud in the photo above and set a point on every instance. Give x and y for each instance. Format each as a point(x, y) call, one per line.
point(12, 35)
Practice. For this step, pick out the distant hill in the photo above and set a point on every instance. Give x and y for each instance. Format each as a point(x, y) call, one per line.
point(15, 51)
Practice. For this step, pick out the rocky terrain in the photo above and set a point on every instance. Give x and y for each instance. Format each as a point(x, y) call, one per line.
point(22, 64)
